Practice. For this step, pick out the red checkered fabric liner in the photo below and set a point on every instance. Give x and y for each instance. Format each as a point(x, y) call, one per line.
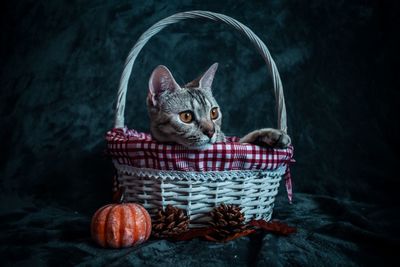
point(133, 148)
point(137, 149)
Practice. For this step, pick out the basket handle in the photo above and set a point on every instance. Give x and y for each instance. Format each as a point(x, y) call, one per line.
point(153, 30)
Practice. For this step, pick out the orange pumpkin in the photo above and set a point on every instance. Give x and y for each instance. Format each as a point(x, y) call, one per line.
point(121, 225)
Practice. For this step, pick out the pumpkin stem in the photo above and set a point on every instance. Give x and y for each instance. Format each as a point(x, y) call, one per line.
point(122, 198)
point(119, 196)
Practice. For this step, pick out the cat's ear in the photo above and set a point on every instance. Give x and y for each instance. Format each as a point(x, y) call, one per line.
point(160, 80)
point(208, 77)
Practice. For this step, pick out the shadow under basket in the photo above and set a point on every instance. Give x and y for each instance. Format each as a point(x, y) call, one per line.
point(156, 175)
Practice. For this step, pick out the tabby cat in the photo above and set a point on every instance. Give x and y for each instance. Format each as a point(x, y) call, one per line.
point(190, 115)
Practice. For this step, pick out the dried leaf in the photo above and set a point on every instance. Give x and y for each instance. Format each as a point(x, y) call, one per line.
point(275, 227)
point(239, 234)
point(221, 235)
point(230, 237)
point(210, 238)
point(211, 234)
point(193, 233)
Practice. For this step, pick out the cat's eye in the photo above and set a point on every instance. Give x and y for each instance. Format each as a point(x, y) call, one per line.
point(214, 113)
point(186, 116)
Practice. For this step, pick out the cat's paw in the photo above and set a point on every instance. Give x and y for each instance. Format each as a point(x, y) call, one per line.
point(268, 136)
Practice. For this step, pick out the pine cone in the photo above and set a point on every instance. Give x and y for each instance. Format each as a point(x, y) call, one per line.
point(226, 220)
point(169, 222)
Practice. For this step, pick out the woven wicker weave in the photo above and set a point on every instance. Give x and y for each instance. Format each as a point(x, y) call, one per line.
point(200, 192)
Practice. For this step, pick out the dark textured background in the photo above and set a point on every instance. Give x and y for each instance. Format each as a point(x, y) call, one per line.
point(60, 63)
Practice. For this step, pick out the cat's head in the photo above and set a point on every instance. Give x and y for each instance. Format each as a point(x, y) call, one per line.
point(187, 115)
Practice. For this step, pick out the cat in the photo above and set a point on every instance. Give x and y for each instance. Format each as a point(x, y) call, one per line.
point(190, 115)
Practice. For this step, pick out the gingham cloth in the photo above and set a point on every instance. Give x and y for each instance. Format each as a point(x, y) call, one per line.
point(137, 149)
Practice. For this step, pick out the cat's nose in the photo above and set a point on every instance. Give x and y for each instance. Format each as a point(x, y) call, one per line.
point(209, 132)
point(207, 128)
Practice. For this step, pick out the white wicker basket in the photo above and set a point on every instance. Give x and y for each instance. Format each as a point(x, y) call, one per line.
point(199, 192)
